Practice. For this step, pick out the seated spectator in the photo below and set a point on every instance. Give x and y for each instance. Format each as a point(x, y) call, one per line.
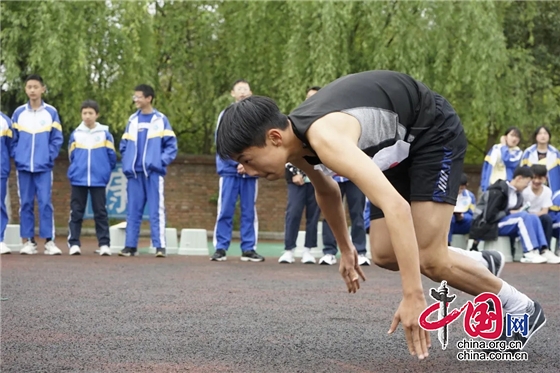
point(500, 212)
point(541, 152)
point(502, 159)
point(538, 198)
point(464, 209)
point(554, 212)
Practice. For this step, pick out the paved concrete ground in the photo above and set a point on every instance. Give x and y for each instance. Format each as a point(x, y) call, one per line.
point(187, 314)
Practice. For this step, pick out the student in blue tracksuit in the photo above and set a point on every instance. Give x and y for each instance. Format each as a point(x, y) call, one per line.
point(554, 212)
point(147, 147)
point(5, 165)
point(464, 209)
point(92, 156)
point(37, 138)
point(235, 183)
point(502, 160)
point(541, 152)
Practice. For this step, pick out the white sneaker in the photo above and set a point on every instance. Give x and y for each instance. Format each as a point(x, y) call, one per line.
point(550, 257)
point(287, 257)
point(29, 248)
point(51, 249)
point(74, 250)
point(363, 260)
point(4, 249)
point(533, 257)
point(328, 259)
point(307, 258)
point(104, 250)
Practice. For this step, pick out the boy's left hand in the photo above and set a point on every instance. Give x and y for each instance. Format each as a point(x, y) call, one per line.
point(350, 270)
point(409, 310)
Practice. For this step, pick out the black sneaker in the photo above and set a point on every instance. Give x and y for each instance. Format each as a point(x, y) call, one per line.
point(495, 260)
point(160, 252)
point(128, 251)
point(251, 256)
point(219, 256)
point(537, 320)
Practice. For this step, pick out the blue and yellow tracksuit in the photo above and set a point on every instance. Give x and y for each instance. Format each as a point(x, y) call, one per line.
point(234, 185)
point(37, 138)
point(552, 163)
point(5, 166)
point(147, 147)
point(499, 163)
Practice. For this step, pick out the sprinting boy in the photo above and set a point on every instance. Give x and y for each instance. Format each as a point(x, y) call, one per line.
point(417, 145)
point(91, 150)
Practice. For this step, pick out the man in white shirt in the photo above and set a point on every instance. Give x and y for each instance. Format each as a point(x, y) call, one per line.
point(538, 199)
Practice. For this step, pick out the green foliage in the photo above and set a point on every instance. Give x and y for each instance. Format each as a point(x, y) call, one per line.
point(498, 63)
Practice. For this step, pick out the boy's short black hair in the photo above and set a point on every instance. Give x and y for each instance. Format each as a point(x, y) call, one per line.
point(313, 88)
point(36, 77)
point(90, 104)
point(539, 170)
point(515, 130)
point(245, 124)
point(538, 130)
point(147, 90)
point(464, 179)
point(523, 171)
point(239, 81)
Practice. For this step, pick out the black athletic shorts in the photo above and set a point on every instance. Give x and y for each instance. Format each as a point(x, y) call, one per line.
point(432, 171)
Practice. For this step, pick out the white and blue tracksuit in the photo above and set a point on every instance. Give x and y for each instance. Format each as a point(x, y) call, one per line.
point(522, 224)
point(463, 226)
point(552, 163)
point(554, 212)
point(5, 165)
point(92, 158)
point(234, 185)
point(37, 138)
point(499, 163)
point(147, 147)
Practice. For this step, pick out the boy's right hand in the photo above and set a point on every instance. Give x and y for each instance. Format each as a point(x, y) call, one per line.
point(350, 270)
point(298, 179)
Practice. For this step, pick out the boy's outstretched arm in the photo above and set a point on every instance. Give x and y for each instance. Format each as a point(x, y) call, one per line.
point(329, 200)
point(336, 147)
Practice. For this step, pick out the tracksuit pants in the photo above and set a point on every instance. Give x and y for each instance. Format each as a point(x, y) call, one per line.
point(300, 197)
point(525, 225)
point(462, 226)
point(142, 190)
point(356, 204)
point(31, 184)
point(232, 187)
point(3, 209)
point(78, 202)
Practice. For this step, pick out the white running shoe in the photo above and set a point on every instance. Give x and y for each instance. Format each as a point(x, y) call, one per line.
point(307, 258)
point(550, 257)
point(328, 259)
point(104, 250)
point(4, 249)
point(363, 260)
point(287, 257)
point(533, 257)
point(74, 250)
point(29, 248)
point(51, 249)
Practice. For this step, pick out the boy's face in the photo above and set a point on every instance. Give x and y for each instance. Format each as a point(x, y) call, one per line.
point(268, 162)
point(34, 89)
point(538, 181)
point(521, 183)
point(512, 140)
point(141, 101)
point(241, 91)
point(89, 116)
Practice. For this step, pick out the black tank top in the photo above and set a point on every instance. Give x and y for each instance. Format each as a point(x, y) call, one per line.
point(392, 108)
